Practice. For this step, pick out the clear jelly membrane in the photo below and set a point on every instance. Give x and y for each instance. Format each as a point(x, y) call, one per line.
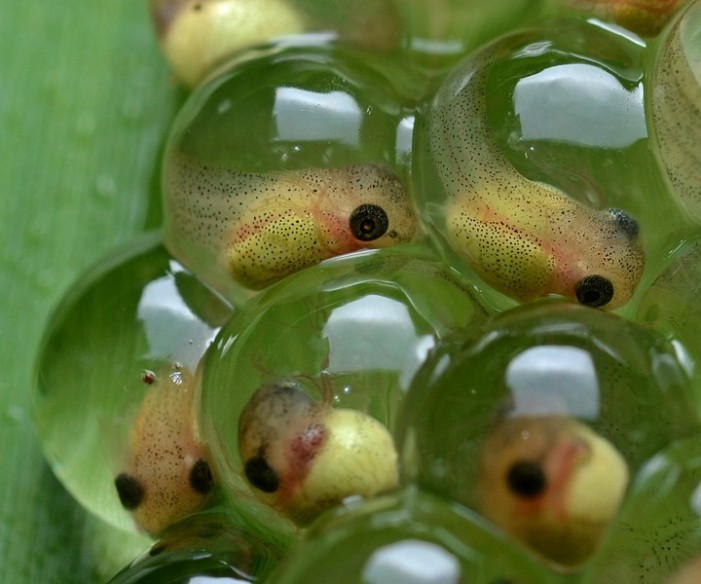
point(395, 335)
point(410, 536)
point(620, 385)
point(350, 332)
point(122, 326)
point(669, 303)
point(657, 529)
point(563, 104)
point(206, 546)
point(268, 163)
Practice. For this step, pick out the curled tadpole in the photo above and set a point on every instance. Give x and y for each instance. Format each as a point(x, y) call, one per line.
point(166, 475)
point(263, 227)
point(525, 238)
point(552, 482)
point(302, 456)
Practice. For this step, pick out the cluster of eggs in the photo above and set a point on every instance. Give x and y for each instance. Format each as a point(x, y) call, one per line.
point(373, 341)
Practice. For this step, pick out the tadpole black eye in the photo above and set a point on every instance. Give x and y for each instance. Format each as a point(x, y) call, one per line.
point(201, 479)
point(368, 222)
point(526, 479)
point(594, 291)
point(626, 222)
point(130, 490)
point(261, 476)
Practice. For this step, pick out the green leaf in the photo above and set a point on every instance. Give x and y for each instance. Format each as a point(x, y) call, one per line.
point(85, 106)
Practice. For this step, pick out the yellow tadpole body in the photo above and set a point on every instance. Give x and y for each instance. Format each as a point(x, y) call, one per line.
point(525, 238)
point(303, 457)
point(166, 475)
point(644, 17)
point(675, 105)
point(551, 482)
point(196, 35)
point(263, 227)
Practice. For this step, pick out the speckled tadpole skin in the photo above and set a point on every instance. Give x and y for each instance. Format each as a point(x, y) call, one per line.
point(676, 107)
point(166, 475)
point(526, 239)
point(264, 226)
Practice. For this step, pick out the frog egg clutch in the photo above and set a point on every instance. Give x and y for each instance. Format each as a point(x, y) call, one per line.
point(543, 437)
point(300, 392)
point(285, 160)
point(359, 391)
point(118, 365)
point(526, 238)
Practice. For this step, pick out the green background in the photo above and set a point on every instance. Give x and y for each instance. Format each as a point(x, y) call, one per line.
point(85, 105)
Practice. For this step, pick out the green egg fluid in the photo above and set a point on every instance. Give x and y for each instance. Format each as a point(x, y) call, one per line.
point(622, 380)
point(341, 545)
point(659, 526)
point(137, 311)
point(274, 112)
point(439, 33)
point(206, 547)
point(351, 330)
point(670, 301)
point(565, 107)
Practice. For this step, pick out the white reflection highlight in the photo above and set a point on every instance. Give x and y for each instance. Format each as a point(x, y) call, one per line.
point(553, 379)
point(172, 330)
point(302, 116)
point(371, 333)
point(579, 104)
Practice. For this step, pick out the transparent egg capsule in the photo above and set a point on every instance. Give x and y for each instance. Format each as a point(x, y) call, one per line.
point(204, 548)
point(439, 33)
point(674, 105)
point(670, 302)
point(197, 35)
point(112, 400)
point(656, 535)
point(534, 168)
point(323, 358)
point(540, 420)
point(290, 156)
point(409, 538)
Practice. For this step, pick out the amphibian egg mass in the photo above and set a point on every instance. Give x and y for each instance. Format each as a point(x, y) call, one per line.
point(374, 409)
point(525, 238)
point(286, 160)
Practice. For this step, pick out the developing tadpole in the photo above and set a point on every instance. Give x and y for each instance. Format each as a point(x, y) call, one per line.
point(166, 475)
point(303, 456)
